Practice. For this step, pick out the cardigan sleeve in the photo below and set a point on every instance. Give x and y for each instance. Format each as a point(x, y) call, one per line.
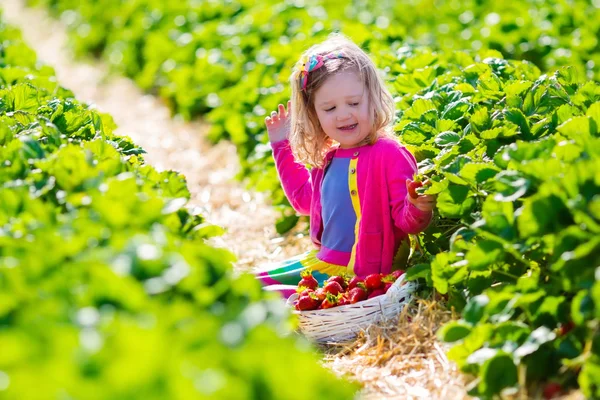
point(294, 177)
point(401, 166)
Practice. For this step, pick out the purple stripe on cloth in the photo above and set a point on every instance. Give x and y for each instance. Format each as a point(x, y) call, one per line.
point(333, 256)
point(285, 290)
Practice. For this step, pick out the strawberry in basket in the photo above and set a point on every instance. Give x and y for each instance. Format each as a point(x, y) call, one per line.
point(308, 302)
point(339, 290)
point(308, 280)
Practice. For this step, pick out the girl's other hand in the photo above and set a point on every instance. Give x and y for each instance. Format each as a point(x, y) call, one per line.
point(424, 202)
point(278, 123)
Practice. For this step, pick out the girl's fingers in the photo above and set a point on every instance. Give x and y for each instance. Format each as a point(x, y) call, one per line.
point(281, 111)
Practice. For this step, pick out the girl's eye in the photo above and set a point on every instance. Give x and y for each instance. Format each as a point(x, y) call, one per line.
point(330, 109)
point(354, 104)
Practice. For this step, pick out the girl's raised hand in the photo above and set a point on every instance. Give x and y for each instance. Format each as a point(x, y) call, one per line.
point(278, 123)
point(424, 202)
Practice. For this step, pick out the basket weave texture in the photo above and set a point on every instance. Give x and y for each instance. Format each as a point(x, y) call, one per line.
point(342, 323)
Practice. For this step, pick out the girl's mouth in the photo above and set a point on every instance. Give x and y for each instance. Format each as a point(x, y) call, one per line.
point(348, 127)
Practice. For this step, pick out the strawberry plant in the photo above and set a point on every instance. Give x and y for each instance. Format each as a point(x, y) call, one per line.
point(513, 156)
point(108, 288)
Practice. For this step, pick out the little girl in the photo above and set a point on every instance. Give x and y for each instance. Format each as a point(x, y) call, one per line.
point(355, 191)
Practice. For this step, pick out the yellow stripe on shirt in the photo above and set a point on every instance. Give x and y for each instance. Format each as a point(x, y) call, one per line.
point(353, 187)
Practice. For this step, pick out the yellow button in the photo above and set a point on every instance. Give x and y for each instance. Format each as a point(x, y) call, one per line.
point(352, 170)
point(353, 192)
point(355, 153)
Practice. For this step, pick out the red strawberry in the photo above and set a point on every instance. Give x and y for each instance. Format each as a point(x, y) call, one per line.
point(306, 303)
point(375, 293)
point(566, 328)
point(552, 390)
point(304, 291)
point(357, 294)
point(330, 301)
point(320, 294)
point(343, 300)
point(308, 280)
point(373, 281)
point(339, 279)
point(412, 188)
point(354, 281)
point(397, 273)
point(334, 288)
point(387, 286)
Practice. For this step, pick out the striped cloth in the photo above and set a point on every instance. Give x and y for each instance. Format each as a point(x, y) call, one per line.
point(284, 276)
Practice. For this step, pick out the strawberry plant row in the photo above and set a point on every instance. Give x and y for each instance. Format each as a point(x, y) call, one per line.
point(514, 157)
point(229, 60)
point(108, 289)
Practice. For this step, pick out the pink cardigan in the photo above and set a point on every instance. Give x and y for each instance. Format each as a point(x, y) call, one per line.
point(387, 215)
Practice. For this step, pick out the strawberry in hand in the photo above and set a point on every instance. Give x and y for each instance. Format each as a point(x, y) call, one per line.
point(412, 187)
point(423, 202)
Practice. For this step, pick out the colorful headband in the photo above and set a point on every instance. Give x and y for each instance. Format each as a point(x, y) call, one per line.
point(309, 64)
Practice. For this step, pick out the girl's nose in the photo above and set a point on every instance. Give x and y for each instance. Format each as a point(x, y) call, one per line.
point(343, 116)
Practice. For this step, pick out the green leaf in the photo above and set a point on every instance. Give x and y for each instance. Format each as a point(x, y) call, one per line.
point(418, 108)
point(456, 110)
point(480, 119)
point(25, 97)
point(418, 271)
point(589, 380)
point(536, 339)
point(517, 117)
point(478, 173)
point(497, 373)
point(416, 133)
point(541, 215)
point(593, 112)
point(447, 138)
point(491, 133)
point(582, 307)
point(456, 202)
point(483, 254)
point(517, 88)
point(510, 186)
point(286, 223)
point(475, 309)
point(444, 270)
point(454, 331)
point(576, 127)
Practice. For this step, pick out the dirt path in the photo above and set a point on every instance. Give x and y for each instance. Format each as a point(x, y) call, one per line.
point(246, 215)
point(170, 144)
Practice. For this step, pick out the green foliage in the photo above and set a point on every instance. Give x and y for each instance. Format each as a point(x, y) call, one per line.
point(108, 288)
point(510, 148)
point(230, 60)
point(515, 237)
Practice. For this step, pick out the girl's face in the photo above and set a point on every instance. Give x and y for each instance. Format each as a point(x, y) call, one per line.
point(342, 106)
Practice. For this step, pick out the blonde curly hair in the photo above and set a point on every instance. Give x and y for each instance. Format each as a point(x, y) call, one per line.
point(308, 141)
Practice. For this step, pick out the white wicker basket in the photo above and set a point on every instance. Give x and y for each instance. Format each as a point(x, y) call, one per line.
point(342, 323)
